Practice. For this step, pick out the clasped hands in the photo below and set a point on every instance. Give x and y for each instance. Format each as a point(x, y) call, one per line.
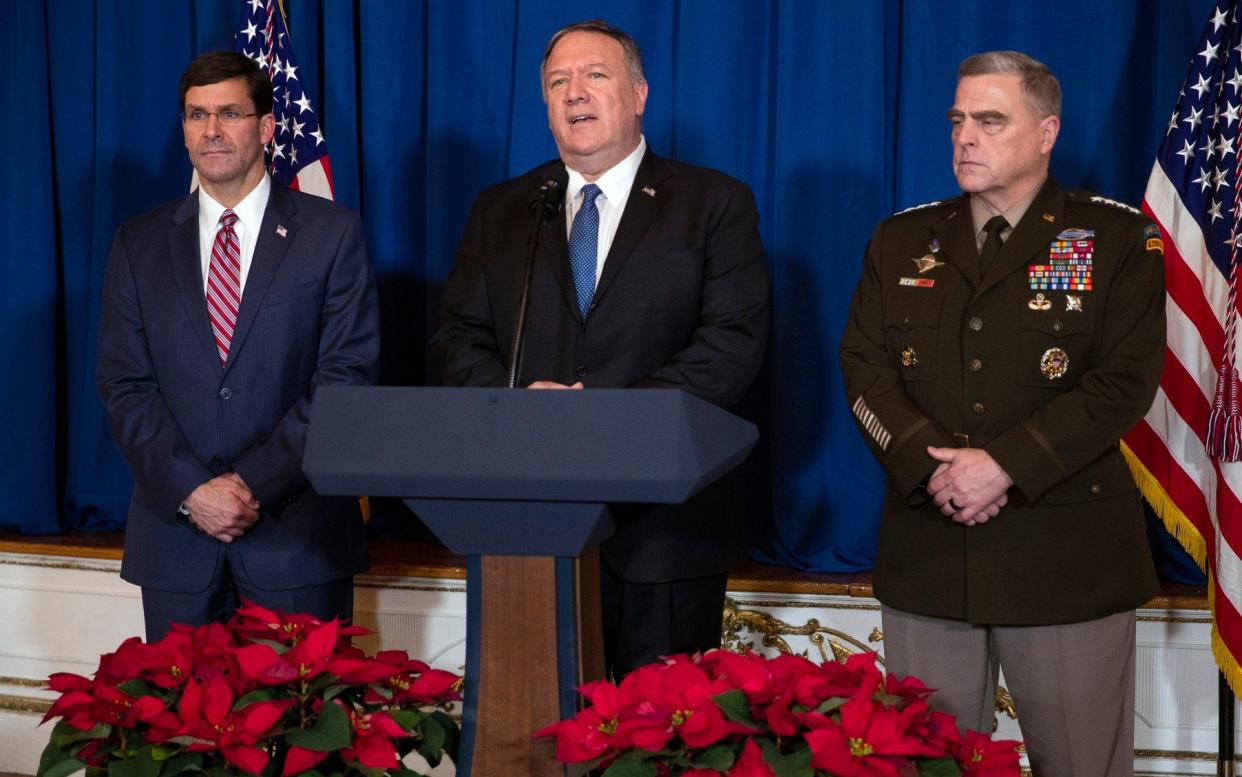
point(223, 507)
point(968, 485)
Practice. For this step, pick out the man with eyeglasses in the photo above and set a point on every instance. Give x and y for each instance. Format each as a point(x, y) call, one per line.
point(222, 313)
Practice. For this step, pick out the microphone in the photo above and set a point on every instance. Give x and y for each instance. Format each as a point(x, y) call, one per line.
point(545, 207)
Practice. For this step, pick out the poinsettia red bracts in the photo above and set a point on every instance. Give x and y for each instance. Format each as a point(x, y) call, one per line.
point(744, 715)
point(237, 695)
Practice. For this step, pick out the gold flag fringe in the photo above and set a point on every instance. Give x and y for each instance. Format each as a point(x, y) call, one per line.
point(1188, 535)
point(1174, 519)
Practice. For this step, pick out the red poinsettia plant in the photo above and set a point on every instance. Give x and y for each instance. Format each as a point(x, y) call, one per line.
point(264, 694)
point(744, 715)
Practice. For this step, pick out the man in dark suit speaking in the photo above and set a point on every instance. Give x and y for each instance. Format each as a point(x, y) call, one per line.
point(222, 314)
point(652, 276)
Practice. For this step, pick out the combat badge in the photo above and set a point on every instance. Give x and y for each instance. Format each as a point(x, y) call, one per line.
point(926, 263)
point(909, 356)
point(1054, 363)
point(1040, 303)
point(1073, 303)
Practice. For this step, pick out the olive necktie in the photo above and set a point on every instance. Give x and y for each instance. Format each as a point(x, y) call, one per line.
point(992, 243)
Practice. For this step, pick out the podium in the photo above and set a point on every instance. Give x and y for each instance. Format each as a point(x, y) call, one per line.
point(519, 482)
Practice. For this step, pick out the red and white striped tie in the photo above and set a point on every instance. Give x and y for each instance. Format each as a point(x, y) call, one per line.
point(224, 284)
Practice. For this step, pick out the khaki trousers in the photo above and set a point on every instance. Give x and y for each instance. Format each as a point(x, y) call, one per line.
point(1072, 684)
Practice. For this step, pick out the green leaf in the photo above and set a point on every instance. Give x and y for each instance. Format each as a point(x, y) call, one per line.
point(259, 694)
point(280, 648)
point(407, 719)
point(630, 765)
point(735, 707)
point(434, 737)
point(795, 764)
point(321, 681)
point(828, 705)
point(137, 687)
point(720, 758)
point(65, 734)
point(452, 732)
point(141, 764)
point(332, 691)
point(382, 690)
point(182, 762)
point(330, 732)
point(939, 767)
point(58, 768)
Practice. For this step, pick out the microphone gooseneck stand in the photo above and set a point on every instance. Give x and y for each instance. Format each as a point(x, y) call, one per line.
point(545, 208)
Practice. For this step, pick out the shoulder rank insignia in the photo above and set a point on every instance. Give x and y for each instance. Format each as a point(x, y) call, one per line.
point(919, 207)
point(1116, 204)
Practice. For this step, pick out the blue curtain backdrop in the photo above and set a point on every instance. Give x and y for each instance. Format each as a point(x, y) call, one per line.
point(832, 110)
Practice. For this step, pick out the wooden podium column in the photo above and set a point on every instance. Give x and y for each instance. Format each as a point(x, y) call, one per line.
point(518, 674)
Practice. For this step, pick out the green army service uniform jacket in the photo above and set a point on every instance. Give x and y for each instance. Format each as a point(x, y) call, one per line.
point(1043, 377)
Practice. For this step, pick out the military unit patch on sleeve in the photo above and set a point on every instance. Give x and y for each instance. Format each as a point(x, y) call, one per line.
point(1151, 233)
point(872, 424)
point(1069, 263)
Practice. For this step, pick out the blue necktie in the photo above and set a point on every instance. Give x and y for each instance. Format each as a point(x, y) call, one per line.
point(583, 247)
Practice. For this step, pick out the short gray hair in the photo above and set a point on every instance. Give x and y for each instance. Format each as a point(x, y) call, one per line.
point(1038, 82)
point(633, 57)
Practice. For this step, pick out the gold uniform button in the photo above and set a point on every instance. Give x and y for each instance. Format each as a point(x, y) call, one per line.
point(975, 323)
point(1056, 327)
point(975, 365)
point(978, 408)
point(1095, 488)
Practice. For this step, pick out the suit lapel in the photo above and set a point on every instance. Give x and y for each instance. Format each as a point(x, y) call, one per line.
point(647, 196)
point(957, 241)
point(185, 255)
point(275, 235)
point(1039, 226)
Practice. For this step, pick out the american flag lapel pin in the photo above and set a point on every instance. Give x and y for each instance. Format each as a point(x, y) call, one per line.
point(280, 230)
point(647, 190)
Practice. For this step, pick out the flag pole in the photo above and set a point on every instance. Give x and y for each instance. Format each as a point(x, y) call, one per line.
point(1225, 763)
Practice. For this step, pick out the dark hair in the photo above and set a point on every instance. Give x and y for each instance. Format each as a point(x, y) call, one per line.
point(633, 57)
point(1038, 82)
point(216, 66)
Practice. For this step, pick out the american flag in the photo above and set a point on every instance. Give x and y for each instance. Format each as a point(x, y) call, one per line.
point(297, 157)
point(1193, 196)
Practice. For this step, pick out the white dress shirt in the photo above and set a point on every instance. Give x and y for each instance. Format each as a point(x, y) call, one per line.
point(615, 185)
point(249, 220)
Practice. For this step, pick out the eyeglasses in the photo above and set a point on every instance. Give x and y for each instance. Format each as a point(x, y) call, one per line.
point(228, 118)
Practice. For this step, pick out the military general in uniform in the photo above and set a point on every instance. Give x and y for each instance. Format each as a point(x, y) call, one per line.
point(999, 345)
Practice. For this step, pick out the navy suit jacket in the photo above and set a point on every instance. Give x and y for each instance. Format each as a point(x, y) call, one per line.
point(683, 302)
point(308, 317)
